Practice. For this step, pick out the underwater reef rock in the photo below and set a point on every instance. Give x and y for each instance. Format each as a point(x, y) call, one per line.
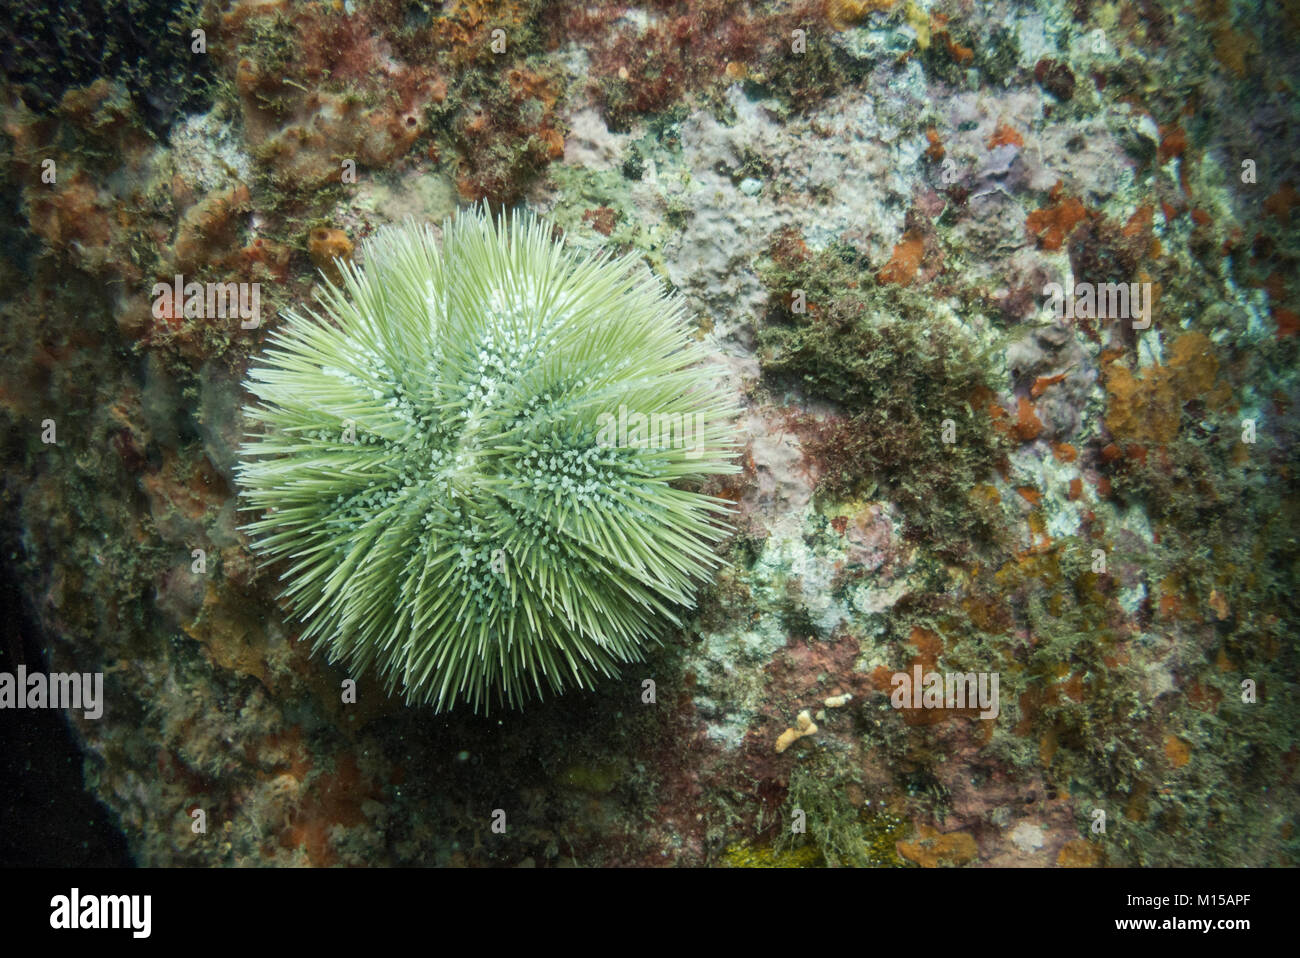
point(903, 229)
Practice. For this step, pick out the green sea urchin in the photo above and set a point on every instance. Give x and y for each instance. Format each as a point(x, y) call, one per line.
point(469, 460)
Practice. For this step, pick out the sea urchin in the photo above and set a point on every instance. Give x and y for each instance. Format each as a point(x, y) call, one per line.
point(473, 463)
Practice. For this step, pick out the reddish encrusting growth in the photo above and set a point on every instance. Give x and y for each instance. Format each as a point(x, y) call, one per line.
point(1051, 225)
point(690, 49)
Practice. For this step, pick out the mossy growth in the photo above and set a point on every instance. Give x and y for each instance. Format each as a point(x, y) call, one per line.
point(953, 53)
point(724, 601)
point(595, 777)
point(839, 825)
point(746, 855)
point(272, 44)
point(800, 80)
point(910, 382)
point(795, 616)
point(504, 126)
point(1079, 711)
point(1082, 714)
point(1178, 448)
point(51, 48)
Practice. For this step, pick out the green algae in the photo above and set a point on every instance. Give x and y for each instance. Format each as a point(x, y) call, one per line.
point(50, 49)
point(840, 832)
point(595, 778)
point(746, 855)
point(909, 379)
